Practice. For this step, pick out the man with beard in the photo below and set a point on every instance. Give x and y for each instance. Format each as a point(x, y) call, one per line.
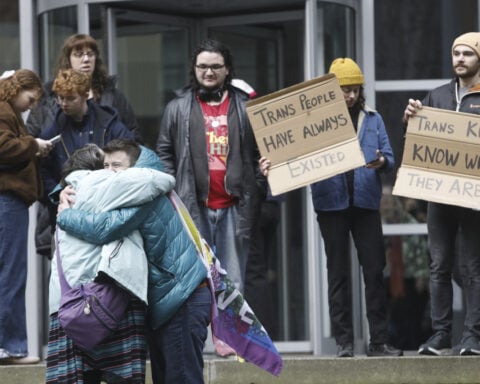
point(207, 143)
point(448, 224)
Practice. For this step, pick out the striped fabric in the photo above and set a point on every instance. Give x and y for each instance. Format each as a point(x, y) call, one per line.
point(121, 358)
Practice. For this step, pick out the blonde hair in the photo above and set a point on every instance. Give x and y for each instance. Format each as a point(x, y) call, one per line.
point(70, 81)
point(21, 80)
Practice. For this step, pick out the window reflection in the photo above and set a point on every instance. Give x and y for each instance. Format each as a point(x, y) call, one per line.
point(406, 278)
point(336, 29)
point(413, 38)
point(9, 36)
point(55, 27)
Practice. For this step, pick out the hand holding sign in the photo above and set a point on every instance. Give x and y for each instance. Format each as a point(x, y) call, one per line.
point(441, 157)
point(304, 134)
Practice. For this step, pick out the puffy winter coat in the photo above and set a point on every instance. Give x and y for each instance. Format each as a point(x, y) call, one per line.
point(175, 269)
point(100, 191)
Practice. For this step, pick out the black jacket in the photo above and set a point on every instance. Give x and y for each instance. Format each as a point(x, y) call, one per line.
point(444, 97)
point(184, 155)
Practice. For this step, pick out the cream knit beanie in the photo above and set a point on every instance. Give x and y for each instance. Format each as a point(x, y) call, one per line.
point(470, 39)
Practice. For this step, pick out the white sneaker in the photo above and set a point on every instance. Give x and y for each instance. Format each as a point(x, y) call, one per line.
point(20, 360)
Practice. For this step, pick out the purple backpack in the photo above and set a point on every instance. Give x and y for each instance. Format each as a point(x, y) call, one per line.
point(90, 312)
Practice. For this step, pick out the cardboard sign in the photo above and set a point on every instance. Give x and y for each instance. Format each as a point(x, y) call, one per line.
point(441, 159)
point(306, 132)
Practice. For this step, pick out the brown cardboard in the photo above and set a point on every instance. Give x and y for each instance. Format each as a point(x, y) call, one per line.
point(445, 188)
point(442, 155)
point(305, 123)
point(315, 166)
point(449, 125)
point(441, 160)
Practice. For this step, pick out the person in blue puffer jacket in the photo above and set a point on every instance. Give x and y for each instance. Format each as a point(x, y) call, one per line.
point(178, 295)
point(347, 204)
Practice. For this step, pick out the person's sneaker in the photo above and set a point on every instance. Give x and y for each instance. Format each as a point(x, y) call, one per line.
point(470, 346)
point(383, 350)
point(20, 360)
point(345, 350)
point(436, 345)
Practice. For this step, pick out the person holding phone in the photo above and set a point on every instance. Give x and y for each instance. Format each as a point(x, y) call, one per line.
point(80, 52)
point(347, 204)
point(20, 187)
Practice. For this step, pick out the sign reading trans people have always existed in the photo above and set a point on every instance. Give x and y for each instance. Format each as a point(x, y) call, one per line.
point(441, 159)
point(306, 132)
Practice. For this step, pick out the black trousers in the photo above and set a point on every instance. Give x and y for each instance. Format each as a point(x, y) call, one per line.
point(366, 229)
point(263, 254)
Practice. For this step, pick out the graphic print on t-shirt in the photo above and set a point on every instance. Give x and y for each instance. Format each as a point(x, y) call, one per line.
point(216, 129)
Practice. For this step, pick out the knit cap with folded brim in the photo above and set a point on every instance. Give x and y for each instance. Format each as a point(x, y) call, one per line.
point(470, 39)
point(347, 71)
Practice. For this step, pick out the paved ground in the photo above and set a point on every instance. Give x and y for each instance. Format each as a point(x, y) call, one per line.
point(304, 369)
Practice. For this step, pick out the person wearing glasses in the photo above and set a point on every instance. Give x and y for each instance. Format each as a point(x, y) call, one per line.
point(206, 142)
point(78, 121)
point(79, 52)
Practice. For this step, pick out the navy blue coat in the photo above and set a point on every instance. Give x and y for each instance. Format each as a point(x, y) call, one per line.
point(100, 126)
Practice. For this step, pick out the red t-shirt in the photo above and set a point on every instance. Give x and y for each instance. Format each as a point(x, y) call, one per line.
point(215, 117)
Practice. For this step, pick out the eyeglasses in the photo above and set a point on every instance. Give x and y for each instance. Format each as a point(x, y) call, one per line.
point(80, 54)
point(213, 67)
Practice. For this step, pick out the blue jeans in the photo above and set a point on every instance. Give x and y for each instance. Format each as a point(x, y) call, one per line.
point(176, 348)
point(447, 226)
point(13, 275)
point(218, 227)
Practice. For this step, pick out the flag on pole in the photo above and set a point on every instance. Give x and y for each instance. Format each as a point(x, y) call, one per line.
point(233, 321)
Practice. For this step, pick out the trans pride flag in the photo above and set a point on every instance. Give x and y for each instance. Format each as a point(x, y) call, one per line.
point(233, 321)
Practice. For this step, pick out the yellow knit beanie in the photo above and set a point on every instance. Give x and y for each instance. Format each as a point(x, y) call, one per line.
point(347, 71)
point(470, 39)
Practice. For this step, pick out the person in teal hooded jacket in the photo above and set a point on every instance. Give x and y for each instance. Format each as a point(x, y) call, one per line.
point(179, 299)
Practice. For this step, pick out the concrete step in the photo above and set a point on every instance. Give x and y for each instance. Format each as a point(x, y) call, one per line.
point(300, 369)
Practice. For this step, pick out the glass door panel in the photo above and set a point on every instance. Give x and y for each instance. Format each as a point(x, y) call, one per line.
point(269, 56)
point(55, 26)
point(152, 61)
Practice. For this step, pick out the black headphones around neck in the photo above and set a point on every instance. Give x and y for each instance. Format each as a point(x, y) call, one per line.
point(207, 95)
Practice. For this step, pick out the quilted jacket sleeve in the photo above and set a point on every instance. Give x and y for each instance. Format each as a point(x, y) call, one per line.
point(103, 227)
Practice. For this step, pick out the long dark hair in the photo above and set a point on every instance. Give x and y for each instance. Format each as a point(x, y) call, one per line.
point(210, 45)
point(79, 42)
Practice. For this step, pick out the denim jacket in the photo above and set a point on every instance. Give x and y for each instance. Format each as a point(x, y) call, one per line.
point(332, 194)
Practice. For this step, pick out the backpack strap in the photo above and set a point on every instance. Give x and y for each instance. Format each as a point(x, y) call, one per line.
point(64, 286)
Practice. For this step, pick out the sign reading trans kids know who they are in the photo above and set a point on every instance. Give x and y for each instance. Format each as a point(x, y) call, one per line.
point(306, 132)
point(441, 159)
